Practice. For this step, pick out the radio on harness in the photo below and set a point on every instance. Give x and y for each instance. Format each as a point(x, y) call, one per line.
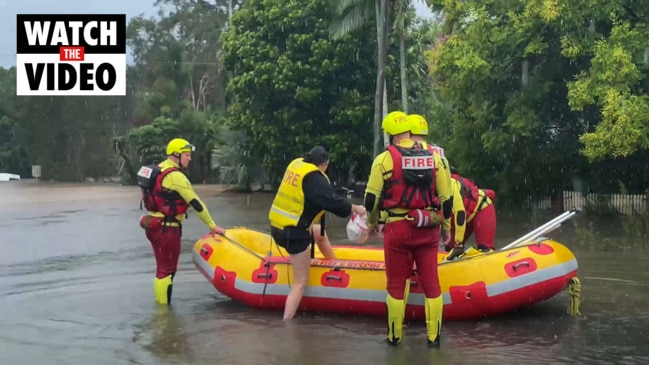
point(147, 175)
point(412, 185)
point(146, 179)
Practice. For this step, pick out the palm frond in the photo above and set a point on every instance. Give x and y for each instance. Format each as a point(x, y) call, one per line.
point(232, 159)
point(353, 20)
point(343, 5)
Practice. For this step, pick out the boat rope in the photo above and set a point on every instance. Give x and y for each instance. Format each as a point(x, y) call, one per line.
point(574, 291)
point(265, 259)
point(242, 246)
point(267, 263)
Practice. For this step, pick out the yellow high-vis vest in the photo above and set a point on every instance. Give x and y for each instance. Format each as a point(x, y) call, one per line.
point(288, 205)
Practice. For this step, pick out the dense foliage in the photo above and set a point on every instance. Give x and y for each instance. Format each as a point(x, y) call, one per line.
point(527, 97)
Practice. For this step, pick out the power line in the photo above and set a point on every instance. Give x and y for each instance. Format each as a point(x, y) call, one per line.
point(159, 63)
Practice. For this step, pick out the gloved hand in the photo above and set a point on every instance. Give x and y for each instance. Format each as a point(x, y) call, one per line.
point(456, 252)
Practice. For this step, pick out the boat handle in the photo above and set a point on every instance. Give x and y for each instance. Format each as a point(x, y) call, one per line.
point(265, 275)
point(333, 277)
point(521, 264)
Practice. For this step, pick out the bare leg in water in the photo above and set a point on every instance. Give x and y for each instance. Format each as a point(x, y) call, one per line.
point(300, 263)
point(323, 242)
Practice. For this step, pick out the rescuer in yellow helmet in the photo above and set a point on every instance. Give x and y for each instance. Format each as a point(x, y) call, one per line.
point(167, 194)
point(409, 182)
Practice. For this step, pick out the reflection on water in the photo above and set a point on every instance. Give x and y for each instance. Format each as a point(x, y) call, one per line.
point(164, 335)
point(80, 292)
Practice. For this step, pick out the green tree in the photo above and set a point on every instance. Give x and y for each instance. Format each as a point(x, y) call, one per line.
point(351, 15)
point(176, 58)
point(70, 137)
point(502, 81)
point(178, 83)
point(294, 87)
point(524, 82)
point(231, 157)
point(404, 16)
point(13, 158)
point(421, 36)
point(147, 144)
point(616, 83)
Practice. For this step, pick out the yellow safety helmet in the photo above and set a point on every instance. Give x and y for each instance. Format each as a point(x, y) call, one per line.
point(178, 145)
point(395, 123)
point(418, 125)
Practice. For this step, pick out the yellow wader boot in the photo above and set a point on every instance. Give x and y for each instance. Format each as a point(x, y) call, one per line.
point(162, 289)
point(433, 308)
point(396, 312)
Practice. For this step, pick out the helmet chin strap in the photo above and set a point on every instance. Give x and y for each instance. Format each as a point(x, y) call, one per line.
point(177, 155)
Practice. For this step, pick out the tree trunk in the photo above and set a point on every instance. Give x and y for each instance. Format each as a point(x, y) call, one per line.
point(386, 23)
point(380, 98)
point(525, 73)
point(386, 138)
point(404, 81)
point(378, 92)
point(132, 174)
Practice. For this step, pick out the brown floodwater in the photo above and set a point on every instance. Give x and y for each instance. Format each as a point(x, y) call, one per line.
point(76, 288)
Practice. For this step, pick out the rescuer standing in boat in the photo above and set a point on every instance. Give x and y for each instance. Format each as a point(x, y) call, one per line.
point(409, 183)
point(480, 218)
point(167, 195)
point(302, 199)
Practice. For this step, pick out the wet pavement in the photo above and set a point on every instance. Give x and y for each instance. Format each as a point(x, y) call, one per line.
point(76, 278)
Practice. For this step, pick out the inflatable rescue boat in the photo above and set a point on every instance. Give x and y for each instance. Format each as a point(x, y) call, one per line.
point(247, 266)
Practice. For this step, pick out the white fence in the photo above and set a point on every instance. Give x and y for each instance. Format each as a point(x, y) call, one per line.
point(627, 204)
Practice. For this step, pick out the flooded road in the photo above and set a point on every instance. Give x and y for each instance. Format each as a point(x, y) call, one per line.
point(76, 278)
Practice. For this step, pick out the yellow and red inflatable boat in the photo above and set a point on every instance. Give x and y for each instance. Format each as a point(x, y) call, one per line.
point(247, 266)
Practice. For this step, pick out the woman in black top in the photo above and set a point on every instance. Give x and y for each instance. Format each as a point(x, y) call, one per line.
point(319, 195)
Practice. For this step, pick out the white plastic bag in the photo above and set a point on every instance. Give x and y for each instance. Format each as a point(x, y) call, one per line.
point(357, 229)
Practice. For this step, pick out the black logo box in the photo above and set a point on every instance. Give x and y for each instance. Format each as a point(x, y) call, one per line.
point(22, 45)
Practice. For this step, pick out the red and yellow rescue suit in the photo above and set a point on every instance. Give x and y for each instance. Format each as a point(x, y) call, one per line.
point(410, 183)
point(167, 194)
point(476, 215)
